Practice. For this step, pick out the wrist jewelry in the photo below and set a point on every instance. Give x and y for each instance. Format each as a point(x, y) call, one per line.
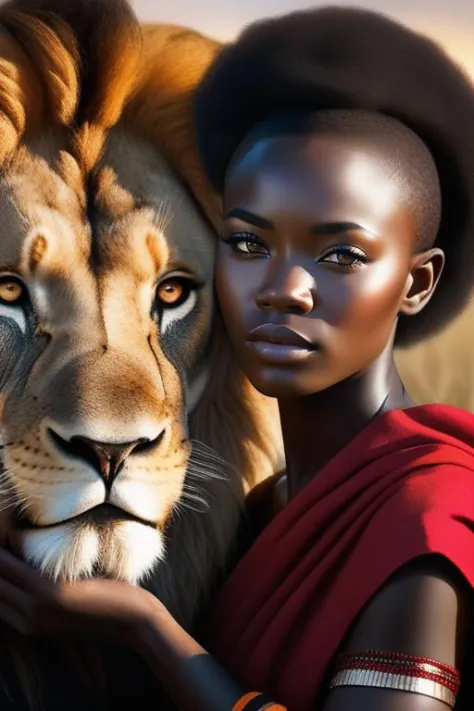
point(255, 701)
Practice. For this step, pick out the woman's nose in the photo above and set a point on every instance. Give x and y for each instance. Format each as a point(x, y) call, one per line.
point(288, 291)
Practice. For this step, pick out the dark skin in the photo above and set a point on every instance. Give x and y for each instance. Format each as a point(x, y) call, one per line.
point(301, 273)
point(323, 242)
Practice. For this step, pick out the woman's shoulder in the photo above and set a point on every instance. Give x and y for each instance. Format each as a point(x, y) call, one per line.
point(410, 595)
point(438, 418)
point(432, 436)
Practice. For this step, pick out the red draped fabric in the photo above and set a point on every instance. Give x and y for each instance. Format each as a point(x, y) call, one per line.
point(403, 488)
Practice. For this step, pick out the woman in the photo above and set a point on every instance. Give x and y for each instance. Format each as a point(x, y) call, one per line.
point(343, 147)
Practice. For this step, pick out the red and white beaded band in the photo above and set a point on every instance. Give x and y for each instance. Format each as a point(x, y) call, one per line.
point(402, 672)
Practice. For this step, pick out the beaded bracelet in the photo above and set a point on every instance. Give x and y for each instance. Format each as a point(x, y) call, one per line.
point(403, 672)
point(255, 701)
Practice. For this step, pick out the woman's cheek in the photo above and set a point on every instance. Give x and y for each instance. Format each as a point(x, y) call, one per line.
point(374, 296)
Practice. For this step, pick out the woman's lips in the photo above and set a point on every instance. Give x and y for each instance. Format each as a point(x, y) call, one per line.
point(280, 344)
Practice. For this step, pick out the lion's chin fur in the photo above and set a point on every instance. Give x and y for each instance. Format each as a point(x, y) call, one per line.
point(126, 551)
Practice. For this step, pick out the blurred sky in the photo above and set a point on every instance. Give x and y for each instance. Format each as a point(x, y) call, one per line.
point(451, 22)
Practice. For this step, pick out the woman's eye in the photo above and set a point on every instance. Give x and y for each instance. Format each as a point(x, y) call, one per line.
point(11, 292)
point(247, 244)
point(345, 257)
point(251, 246)
point(173, 292)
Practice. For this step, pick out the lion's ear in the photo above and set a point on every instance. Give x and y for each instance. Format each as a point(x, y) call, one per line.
point(175, 60)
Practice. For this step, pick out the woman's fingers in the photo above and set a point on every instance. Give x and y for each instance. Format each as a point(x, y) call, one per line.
point(20, 573)
point(13, 596)
point(12, 618)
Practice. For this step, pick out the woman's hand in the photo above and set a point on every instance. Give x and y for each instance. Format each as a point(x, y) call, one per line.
point(36, 606)
point(107, 609)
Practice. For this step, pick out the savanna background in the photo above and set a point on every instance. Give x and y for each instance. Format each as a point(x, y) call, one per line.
point(443, 369)
point(450, 22)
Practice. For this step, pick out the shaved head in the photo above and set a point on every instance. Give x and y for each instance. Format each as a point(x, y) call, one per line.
point(328, 59)
point(405, 155)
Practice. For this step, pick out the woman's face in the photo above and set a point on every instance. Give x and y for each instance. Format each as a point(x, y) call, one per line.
point(314, 262)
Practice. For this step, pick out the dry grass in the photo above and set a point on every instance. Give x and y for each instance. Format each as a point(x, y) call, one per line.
point(442, 369)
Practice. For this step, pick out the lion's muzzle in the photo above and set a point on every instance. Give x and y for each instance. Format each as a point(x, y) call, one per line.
point(107, 458)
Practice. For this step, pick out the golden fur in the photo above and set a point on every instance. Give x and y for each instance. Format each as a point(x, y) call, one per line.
point(102, 198)
point(94, 112)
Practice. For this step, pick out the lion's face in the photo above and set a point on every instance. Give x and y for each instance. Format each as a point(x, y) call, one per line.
point(105, 315)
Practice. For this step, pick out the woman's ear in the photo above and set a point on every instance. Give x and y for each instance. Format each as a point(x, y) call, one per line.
point(422, 281)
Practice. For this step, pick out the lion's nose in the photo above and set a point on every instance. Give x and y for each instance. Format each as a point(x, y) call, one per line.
point(107, 458)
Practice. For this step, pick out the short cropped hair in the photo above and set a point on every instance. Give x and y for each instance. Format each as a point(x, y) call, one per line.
point(402, 151)
point(346, 58)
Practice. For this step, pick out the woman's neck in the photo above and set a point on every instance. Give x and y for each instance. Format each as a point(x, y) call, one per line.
point(317, 427)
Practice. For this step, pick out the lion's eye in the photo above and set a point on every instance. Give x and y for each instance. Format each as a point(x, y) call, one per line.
point(176, 297)
point(11, 291)
point(173, 292)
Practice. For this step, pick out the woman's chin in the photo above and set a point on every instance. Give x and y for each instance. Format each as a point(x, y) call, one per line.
point(283, 383)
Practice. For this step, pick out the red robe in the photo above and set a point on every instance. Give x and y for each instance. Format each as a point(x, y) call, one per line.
point(403, 488)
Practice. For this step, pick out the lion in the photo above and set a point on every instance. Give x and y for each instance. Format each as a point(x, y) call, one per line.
point(129, 434)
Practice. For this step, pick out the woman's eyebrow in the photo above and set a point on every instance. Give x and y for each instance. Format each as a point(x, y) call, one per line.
point(246, 216)
point(334, 228)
